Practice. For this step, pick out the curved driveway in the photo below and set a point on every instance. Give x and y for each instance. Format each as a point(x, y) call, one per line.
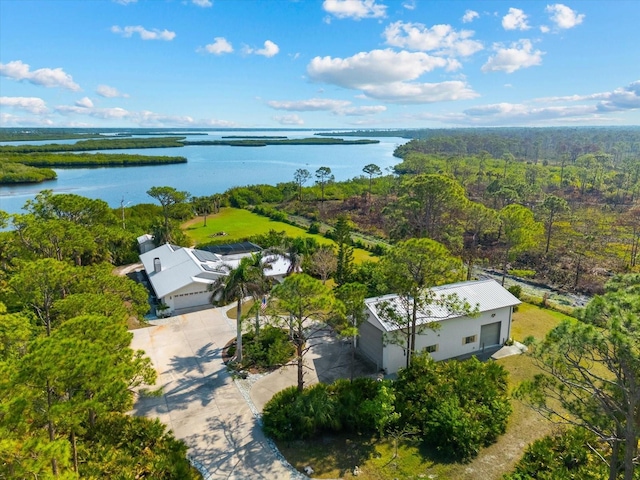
point(200, 403)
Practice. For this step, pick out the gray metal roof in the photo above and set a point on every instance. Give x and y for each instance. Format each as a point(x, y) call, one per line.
point(181, 266)
point(485, 294)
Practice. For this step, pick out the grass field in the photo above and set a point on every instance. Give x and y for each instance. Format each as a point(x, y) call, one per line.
point(336, 456)
point(238, 224)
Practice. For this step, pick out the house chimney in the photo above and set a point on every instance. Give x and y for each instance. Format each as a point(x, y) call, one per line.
point(157, 266)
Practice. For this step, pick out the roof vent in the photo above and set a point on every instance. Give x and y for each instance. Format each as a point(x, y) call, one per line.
point(157, 266)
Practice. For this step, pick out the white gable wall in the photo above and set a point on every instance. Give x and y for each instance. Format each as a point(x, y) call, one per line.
point(449, 338)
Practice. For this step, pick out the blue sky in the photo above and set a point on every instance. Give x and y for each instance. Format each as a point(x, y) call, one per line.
point(319, 64)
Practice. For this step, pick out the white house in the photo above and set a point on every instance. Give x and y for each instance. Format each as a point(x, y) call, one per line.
point(454, 336)
point(181, 276)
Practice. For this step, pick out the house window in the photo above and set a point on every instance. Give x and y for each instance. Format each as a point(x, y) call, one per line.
point(467, 340)
point(431, 348)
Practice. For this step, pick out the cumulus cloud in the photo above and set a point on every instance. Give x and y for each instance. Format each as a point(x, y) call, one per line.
point(516, 19)
point(509, 59)
point(219, 46)
point(145, 34)
point(563, 17)
point(470, 16)
point(372, 68)
point(387, 75)
point(84, 103)
point(289, 120)
point(33, 105)
point(625, 98)
point(202, 3)
point(311, 105)
point(46, 77)
point(110, 92)
point(356, 9)
point(408, 93)
point(441, 39)
point(269, 50)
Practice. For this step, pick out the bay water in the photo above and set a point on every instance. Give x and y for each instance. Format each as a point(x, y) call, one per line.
point(209, 170)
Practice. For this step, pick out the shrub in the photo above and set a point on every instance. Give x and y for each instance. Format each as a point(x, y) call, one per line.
point(314, 228)
point(361, 406)
point(515, 290)
point(271, 348)
point(457, 406)
point(562, 456)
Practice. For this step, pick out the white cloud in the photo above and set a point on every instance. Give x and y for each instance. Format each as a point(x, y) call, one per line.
point(441, 39)
point(409, 5)
point(46, 77)
point(110, 92)
point(7, 119)
point(625, 98)
point(372, 68)
point(270, 49)
point(337, 107)
point(202, 3)
point(125, 2)
point(386, 75)
point(289, 120)
point(470, 16)
point(409, 93)
point(519, 55)
point(102, 113)
point(544, 29)
point(33, 105)
point(313, 104)
point(363, 111)
point(563, 16)
point(84, 103)
point(356, 9)
point(218, 47)
point(145, 34)
point(516, 19)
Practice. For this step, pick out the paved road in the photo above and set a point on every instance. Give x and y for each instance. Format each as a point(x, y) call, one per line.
point(201, 403)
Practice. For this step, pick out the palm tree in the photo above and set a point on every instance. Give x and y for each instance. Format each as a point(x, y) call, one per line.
point(247, 279)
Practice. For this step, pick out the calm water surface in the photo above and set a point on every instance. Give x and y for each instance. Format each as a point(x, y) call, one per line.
point(210, 169)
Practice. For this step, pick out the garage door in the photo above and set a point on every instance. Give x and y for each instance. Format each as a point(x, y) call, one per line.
point(490, 335)
point(191, 300)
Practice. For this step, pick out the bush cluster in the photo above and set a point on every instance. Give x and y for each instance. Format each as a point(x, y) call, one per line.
point(270, 348)
point(458, 407)
point(362, 406)
point(567, 455)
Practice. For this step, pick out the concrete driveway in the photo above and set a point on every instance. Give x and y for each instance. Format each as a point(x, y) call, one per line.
point(201, 404)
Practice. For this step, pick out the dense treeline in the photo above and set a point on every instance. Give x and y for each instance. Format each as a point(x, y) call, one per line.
point(67, 372)
point(11, 172)
point(97, 144)
point(39, 134)
point(89, 160)
point(263, 142)
point(530, 144)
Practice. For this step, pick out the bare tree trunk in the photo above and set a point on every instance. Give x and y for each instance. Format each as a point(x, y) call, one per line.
point(74, 448)
point(51, 429)
point(239, 331)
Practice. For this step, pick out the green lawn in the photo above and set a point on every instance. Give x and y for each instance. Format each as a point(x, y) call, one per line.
point(336, 456)
point(239, 224)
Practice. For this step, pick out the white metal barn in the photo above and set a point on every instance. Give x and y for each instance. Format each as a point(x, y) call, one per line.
point(455, 336)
